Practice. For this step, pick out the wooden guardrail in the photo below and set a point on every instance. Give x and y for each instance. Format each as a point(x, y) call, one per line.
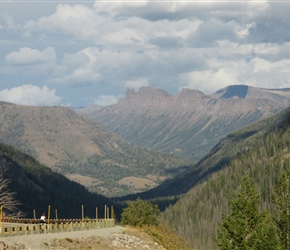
point(60, 226)
point(37, 221)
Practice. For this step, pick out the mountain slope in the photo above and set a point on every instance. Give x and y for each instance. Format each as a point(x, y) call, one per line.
point(233, 145)
point(37, 187)
point(84, 150)
point(261, 150)
point(190, 123)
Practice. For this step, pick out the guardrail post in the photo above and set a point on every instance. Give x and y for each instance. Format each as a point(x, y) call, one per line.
point(10, 231)
point(17, 230)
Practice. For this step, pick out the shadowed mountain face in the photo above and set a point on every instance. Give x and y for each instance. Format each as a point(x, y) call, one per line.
point(190, 123)
point(36, 187)
point(239, 91)
point(83, 150)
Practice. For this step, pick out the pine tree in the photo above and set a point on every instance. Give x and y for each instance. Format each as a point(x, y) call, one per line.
point(281, 199)
point(246, 227)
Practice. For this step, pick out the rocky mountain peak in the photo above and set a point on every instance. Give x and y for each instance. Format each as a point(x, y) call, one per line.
point(191, 93)
point(147, 92)
point(145, 98)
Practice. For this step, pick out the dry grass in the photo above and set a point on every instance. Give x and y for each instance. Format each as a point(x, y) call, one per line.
point(167, 237)
point(84, 180)
point(137, 183)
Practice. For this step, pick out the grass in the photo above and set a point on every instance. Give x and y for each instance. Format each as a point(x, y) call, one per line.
point(161, 234)
point(166, 237)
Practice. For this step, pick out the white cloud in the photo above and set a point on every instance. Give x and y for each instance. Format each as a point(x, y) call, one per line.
point(105, 100)
point(257, 72)
point(8, 20)
point(78, 20)
point(174, 10)
point(207, 80)
point(111, 46)
point(80, 68)
point(77, 77)
point(30, 95)
point(27, 55)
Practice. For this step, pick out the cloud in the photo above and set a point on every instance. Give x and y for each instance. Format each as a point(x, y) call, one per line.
point(105, 100)
point(30, 95)
point(257, 72)
point(213, 30)
point(8, 21)
point(207, 80)
point(272, 31)
point(78, 20)
point(27, 55)
point(161, 10)
point(137, 83)
point(78, 69)
point(106, 47)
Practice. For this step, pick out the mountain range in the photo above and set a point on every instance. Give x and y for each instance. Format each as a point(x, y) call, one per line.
point(190, 123)
point(83, 150)
point(199, 193)
point(196, 200)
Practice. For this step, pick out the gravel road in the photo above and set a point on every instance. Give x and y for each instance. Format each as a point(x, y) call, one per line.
point(39, 241)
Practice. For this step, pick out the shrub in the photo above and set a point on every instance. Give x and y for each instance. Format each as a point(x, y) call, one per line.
point(140, 213)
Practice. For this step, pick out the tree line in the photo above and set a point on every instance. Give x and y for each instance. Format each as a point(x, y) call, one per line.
point(248, 227)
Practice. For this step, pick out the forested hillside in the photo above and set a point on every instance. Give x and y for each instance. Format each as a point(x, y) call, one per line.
point(37, 187)
point(263, 154)
point(83, 150)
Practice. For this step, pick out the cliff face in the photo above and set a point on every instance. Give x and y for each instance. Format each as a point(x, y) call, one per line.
point(189, 123)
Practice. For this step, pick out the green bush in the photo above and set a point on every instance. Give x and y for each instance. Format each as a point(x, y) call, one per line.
point(140, 213)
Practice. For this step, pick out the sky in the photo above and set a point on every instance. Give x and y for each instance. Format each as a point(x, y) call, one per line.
point(76, 53)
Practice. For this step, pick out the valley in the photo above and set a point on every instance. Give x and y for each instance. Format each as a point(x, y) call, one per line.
point(42, 144)
point(190, 123)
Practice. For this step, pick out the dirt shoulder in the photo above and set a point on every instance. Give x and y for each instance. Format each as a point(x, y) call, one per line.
point(97, 239)
point(41, 241)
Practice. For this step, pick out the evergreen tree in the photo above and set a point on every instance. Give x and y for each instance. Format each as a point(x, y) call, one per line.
point(281, 199)
point(246, 227)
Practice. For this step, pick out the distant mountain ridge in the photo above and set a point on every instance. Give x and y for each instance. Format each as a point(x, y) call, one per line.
point(83, 150)
point(189, 123)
